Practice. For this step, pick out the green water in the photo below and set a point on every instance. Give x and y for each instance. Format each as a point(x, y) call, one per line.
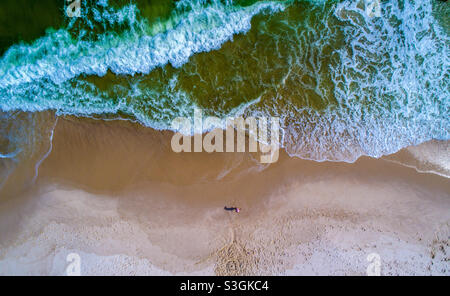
point(344, 84)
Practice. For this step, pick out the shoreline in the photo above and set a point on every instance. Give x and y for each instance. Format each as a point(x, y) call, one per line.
point(115, 195)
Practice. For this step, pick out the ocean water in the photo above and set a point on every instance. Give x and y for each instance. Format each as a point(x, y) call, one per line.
point(343, 83)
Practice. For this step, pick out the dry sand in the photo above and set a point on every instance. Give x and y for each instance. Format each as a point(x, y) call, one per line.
point(115, 194)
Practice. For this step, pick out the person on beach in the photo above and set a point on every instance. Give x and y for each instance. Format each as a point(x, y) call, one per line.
point(232, 209)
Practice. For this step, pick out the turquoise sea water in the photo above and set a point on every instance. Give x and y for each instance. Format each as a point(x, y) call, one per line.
point(343, 83)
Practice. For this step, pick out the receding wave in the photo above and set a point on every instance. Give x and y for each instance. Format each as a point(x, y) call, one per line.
point(343, 83)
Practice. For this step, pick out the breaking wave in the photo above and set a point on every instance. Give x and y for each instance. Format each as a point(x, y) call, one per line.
point(343, 83)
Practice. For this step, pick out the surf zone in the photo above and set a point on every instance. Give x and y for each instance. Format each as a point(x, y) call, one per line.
point(263, 135)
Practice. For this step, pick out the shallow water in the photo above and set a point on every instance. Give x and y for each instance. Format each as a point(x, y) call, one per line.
point(344, 84)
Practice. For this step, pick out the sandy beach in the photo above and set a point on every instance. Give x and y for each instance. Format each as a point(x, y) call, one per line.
point(114, 193)
point(108, 110)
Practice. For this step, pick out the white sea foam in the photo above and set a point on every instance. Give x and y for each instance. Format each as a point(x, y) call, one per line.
point(391, 82)
point(390, 75)
point(58, 58)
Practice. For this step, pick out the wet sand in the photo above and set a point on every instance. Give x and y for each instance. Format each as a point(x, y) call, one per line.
point(116, 194)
